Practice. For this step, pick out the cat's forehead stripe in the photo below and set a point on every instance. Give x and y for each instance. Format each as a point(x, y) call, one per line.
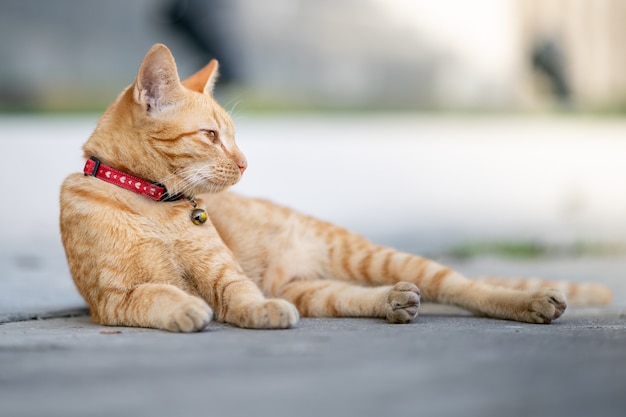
point(217, 119)
point(174, 138)
point(220, 118)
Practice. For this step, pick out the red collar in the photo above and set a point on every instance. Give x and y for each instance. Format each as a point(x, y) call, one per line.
point(155, 191)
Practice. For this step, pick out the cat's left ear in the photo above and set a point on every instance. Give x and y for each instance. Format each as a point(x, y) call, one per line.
point(204, 80)
point(157, 80)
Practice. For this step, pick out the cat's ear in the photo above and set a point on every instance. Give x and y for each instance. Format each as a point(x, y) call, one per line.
point(204, 80)
point(157, 80)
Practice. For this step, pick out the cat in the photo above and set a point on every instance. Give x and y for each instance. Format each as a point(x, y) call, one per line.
point(153, 239)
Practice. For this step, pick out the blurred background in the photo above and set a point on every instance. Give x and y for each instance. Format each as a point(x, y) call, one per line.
point(285, 54)
point(436, 126)
point(358, 54)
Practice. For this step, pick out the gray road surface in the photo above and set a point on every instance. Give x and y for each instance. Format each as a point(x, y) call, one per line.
point(442, 365)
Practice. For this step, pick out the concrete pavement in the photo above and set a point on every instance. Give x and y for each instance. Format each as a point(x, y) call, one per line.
point(441, 365)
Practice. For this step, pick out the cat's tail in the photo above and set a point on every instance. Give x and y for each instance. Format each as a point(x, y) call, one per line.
point(578, 294)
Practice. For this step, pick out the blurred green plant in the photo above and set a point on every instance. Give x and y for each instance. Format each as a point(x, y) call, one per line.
point(534, 249)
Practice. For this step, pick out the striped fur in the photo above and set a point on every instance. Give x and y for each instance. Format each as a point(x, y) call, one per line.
point(254, 264)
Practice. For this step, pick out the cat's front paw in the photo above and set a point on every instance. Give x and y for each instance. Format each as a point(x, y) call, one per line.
point(191, 315)
point(403, 302)
point(272, 314)
point(544, 306)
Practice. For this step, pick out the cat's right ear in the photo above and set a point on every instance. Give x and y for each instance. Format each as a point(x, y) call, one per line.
point(157, 79)
point(204, 80)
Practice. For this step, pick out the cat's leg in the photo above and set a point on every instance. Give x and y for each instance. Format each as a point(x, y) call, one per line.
point(443, 285)
point(239, 301)
point(235, 298)
point(353, 258)
point(160, 306)
point(329, 298)
point(578, 294)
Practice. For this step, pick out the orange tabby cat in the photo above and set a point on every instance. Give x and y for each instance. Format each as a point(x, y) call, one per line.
point(153, 240)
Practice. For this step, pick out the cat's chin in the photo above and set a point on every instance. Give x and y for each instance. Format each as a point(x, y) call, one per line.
point(206, 185)
point(214, 184)
point(212, 188)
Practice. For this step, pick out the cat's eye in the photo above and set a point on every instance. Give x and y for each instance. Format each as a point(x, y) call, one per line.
point(211, 134)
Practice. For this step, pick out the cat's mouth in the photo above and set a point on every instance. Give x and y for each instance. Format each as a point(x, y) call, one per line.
point(208, 179)
point(218, 181)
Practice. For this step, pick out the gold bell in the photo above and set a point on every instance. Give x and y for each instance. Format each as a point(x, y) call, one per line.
point(199, 216)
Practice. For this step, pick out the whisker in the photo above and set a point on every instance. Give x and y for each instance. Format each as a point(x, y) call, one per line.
point(190, 178)
point(231, 111)
point(236, 100)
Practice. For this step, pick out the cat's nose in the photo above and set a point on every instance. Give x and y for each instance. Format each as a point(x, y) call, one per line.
point(242, 164)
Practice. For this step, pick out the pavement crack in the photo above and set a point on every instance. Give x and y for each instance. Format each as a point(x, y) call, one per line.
point(55, 314)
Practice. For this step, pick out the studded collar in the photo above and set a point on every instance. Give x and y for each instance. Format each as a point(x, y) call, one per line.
point(155, 191)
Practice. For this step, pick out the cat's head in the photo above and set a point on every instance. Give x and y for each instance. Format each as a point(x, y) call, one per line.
point(168, 131)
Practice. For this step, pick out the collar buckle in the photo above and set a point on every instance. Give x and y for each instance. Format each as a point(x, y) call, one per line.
point(91, 167)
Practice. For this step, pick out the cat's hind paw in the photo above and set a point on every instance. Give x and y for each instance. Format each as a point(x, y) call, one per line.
point(544, 306)
point(191, 315)
point(403, 302)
